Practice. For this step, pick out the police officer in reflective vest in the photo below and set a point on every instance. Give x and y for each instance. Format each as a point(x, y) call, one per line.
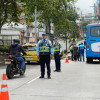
point(45, 51)
point(57, 54)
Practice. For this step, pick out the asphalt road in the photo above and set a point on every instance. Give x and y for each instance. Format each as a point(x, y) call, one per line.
point(76, 81)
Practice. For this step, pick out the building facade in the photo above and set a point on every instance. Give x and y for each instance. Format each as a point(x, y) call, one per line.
point(97, 9)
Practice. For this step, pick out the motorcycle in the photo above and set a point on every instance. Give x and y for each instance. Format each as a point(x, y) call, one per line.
point(13, 67)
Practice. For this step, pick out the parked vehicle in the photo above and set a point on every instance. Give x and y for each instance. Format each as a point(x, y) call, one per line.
point(13, 67)
point(30, 50)
point(93, 42)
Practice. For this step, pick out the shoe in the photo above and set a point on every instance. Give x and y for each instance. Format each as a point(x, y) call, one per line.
point(55, 70)
point(49, 77)
point(59, 71)
point(41, 77)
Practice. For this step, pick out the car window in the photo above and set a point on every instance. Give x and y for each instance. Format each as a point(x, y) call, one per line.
point(29, 48)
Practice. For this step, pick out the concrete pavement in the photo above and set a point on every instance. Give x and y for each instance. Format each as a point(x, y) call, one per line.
point(77, 81)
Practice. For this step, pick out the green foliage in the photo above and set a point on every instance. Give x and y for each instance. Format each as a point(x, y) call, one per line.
point(84, 24)
point(66, 25)
point(4, 48)
point(10, 10)
point(60, 12)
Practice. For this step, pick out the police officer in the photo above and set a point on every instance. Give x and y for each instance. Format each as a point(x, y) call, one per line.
point(81, 51)
point(57, 54)
point(45, 51)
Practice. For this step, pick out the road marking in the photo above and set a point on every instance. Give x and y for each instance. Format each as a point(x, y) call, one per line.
point(33, 80)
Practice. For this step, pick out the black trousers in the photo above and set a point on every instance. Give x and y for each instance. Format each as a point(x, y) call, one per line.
point(57, 61)
point(75, 57)
point(72, 54)
point(45, 59)
point(78, 56)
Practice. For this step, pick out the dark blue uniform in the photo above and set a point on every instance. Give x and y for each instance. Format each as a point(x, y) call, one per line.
point(44, 49)
point(57, 50)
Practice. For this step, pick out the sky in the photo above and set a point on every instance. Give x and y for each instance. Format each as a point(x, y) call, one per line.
point(85, 5)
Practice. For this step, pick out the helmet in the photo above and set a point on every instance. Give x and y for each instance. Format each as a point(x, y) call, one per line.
point(16, 41)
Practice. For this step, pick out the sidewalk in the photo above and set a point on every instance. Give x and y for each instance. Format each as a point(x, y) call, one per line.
point(2, 57)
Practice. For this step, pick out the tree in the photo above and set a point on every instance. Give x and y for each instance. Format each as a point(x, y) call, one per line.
point(10, 10)
point(60, 12)
point(84, 25)
point(65, 22)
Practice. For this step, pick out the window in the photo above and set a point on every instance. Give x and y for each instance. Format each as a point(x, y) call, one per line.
point(29, 48)
point(95, 31)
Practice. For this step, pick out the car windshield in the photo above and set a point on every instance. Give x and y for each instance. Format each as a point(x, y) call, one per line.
point(95, 31)
point(29, 48)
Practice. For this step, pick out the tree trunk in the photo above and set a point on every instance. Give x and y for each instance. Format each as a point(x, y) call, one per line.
point(0, 29)
point(0, 24)
point(66, 43)
point(48, 28)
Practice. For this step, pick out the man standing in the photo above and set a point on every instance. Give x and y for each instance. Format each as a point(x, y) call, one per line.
point(45, 51)
point(57, 54)
point(71, 50)
point(75, 52)
point(78, 53)
point(81, 50)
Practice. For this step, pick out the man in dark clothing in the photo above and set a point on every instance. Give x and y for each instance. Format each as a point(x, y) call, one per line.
point(15, 50)
point(75, 49)
point(78, 53)
point(71, 50)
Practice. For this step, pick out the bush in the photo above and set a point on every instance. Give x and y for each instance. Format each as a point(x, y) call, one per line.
point(4, 48)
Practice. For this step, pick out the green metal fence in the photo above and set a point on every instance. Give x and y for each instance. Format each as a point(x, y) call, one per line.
point(8, 39)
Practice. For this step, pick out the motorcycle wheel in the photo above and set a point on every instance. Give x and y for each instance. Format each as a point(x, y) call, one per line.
point(9, 71)
point(23, 70)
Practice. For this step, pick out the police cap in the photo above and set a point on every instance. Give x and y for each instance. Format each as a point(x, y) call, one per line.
point(44, 34)
point(55, 38)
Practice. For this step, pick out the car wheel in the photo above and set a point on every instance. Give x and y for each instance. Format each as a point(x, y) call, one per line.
point(28, 62)
point(38, 62)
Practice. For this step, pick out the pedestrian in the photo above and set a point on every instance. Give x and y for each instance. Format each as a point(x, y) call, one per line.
point(75, 52)
point(81, 50)
point(57, 54)
point(78, 53)
point(45, 52)
point(71, 50)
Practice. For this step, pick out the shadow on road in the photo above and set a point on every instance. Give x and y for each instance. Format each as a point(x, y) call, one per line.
point(94, 62)
point(16, 77)
point(32, 63)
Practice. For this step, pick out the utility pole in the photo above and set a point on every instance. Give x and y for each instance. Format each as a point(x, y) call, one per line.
point(36, 22)
point(81, 25)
